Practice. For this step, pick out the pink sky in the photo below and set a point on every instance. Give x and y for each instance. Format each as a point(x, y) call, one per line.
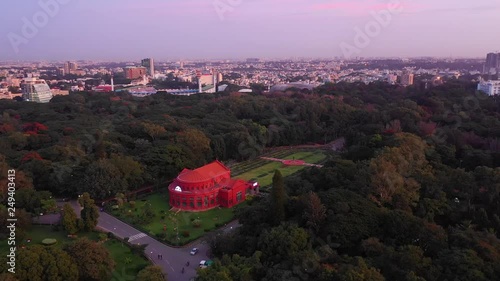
point(122, 29)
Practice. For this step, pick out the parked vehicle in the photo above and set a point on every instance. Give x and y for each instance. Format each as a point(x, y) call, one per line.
point(205, 263)
point(194, 251)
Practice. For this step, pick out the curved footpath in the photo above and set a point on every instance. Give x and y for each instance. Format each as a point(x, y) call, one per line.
point(174, 258)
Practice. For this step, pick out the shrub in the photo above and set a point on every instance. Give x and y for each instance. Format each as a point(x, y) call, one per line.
point(206, 230)
point(132, 204)
point(102, 236)
point(217, 224)
point(185, 233)
point(111, 235)
point(138, 249)
point(197, 223)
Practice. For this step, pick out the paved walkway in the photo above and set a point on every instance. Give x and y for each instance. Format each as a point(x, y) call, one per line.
point(174, 259)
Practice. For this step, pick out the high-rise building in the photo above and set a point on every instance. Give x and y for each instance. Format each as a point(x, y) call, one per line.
point(149, 64)
point(66, 68)
point(492, 87)
point(36, 90)
point(61, 71)
point(133, 73)
point(407, 79)
point(492, 65)
point(70, 67)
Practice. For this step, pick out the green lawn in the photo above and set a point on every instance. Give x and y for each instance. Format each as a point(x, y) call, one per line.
point(264, 174)
point(127, 264)
point(120, 253)
point(163, 218)
point(177, 228)
point(39, 232)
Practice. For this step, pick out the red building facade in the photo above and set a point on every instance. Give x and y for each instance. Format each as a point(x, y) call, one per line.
point(208, 187)
point(135, 72)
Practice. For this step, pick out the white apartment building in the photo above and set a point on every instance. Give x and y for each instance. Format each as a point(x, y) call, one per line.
point(491, 88)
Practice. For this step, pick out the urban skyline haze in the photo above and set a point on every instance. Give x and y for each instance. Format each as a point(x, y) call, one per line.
point(233, 29)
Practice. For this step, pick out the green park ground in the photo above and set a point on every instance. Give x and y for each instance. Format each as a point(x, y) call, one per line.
point(180, 228)
point(264, 171)
point(127, 262)
point(168, 225)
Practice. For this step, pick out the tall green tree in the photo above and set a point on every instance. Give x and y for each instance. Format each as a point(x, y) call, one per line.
point(69, 219)
point(358, 271)
point(131, 170)
point(45, 263)
point(283, 243)
point(151, 273)
point(233, 267)
point(93, 260)
point(395, 172)
point(102, 180)
point(48, 205)
point(278, 199)
point(89, 213)
point(315, 212)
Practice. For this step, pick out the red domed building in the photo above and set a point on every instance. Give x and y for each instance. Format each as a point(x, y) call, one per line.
point(208, 187)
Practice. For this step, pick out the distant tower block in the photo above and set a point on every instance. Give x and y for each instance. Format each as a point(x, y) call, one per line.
point(112, 84)
point(149, 64)
point(198, 74)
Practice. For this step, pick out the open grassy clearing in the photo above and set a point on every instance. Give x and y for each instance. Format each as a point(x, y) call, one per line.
point(176, 228)
point(264, 173)
point(127, 262)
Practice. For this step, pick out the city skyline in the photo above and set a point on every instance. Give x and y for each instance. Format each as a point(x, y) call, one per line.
point(235, 29)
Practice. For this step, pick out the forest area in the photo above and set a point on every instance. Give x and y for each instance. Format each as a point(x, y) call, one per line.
point(414, 196)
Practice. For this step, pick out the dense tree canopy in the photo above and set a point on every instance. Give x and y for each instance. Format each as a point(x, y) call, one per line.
point(92, 259)
point(415, 194)
point(46, 263)
point(151, 273)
